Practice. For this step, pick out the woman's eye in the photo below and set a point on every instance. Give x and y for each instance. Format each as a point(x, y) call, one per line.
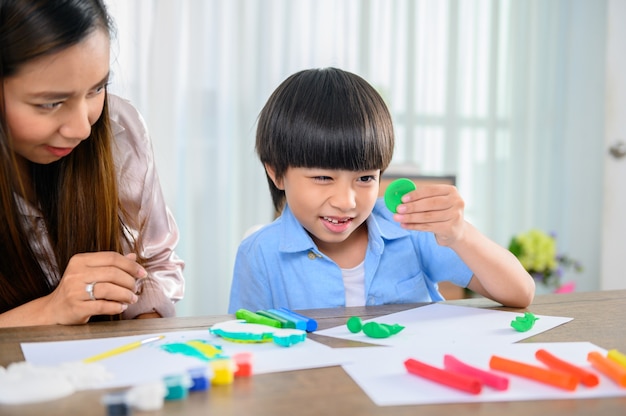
point(99, 89)
point(49, 106)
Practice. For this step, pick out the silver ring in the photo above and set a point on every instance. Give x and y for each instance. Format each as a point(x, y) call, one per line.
point(89, 289)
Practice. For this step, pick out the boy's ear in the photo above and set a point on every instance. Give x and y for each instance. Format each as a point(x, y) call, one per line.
point(278, 182)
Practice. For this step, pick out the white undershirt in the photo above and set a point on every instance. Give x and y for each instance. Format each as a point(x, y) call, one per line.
point(354, 283)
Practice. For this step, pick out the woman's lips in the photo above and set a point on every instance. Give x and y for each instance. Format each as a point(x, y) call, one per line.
point(59, 151)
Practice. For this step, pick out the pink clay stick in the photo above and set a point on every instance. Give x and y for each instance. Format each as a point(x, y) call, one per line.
point(488, 378)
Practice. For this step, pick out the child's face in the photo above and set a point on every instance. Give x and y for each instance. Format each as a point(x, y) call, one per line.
point(330, 204)
point(52, 102)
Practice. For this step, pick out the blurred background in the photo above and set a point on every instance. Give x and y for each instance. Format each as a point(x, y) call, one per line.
point(514, 98)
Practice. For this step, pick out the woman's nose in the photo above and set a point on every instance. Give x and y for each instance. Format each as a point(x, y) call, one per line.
point(77, 125)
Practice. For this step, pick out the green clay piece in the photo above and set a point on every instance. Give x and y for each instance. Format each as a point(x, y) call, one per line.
point(376, 330)
point(524, 323)
point(396, 190)
point(354, 324)
point(395, 328)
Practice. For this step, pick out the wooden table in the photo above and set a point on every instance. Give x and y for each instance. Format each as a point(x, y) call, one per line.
point(599, 317)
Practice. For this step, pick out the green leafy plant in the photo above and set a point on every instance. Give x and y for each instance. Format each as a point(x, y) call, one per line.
point(537, 251)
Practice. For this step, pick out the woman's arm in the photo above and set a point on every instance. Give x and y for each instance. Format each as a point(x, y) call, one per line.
point(155, 228)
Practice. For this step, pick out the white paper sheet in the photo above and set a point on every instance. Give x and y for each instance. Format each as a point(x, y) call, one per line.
point(450, 325)
point(149, 362)
point(380, 372)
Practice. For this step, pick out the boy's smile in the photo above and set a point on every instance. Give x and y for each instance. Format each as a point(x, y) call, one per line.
point(337, 225)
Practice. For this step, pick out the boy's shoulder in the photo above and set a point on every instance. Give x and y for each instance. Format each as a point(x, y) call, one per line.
point(262, 234)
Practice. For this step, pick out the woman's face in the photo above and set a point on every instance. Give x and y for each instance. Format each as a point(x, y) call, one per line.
point(52, 102)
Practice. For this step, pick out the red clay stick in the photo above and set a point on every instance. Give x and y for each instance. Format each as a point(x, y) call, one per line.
point(445, 377)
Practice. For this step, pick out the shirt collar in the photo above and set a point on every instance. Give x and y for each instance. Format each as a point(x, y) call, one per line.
point(380, 226)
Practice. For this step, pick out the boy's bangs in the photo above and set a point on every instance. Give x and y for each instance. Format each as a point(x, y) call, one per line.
point(345, 149)
point(330, 146)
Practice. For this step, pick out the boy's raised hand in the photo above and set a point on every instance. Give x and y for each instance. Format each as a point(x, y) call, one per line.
point(435, 208)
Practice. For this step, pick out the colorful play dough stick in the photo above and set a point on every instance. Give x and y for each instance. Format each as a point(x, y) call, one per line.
point(284, 323)
point(395, 191)
point(255, 318)
point(311, 324)
point(298, 323)
point(486, 377)
point(543, 375)
point(609, 368)
point(618, 357)
point(587, 378)
point(447, 378)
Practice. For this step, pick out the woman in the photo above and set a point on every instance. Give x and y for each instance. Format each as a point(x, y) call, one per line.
point(84, 229)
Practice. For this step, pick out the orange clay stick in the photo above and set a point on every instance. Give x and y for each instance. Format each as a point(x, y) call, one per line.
point(543, 375)
point(588, 378)
point(618, 357)
point(609, 368)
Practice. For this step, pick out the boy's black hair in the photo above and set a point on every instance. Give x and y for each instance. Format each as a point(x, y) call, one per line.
point(323, 118)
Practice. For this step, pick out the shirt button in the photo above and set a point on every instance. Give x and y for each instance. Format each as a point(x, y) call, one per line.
point(312, 255)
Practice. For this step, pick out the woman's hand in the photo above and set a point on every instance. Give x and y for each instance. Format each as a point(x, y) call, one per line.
point(113, 277)
point(434, 208)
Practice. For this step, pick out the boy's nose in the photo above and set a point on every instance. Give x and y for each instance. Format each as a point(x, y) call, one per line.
point(344, 198)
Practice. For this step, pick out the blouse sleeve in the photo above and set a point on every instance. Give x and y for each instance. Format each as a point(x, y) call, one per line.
point(142, 198)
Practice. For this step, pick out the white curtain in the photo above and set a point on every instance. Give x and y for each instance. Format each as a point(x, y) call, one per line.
point(506, 95)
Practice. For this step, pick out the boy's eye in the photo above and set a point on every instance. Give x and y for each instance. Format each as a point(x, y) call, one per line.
point(368, 178)
point(322, 178)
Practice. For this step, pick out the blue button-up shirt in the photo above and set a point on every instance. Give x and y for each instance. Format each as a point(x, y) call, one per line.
point(280, 266)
